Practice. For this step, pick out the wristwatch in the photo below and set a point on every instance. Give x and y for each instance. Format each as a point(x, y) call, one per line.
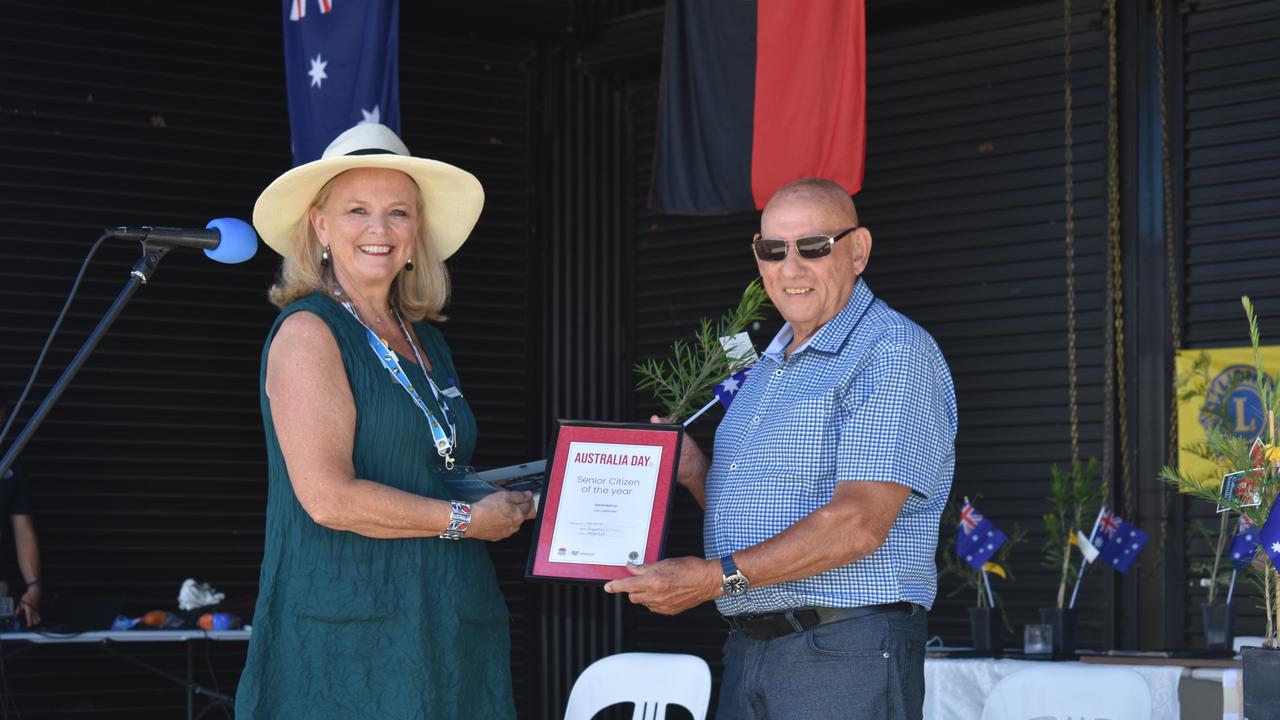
point(734, 582)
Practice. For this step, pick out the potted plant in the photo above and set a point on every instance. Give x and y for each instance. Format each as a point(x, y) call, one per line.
point(1223, 452)
point(1252, 492)
point(1215, 613)
point(987, 624)
point(1075, 497)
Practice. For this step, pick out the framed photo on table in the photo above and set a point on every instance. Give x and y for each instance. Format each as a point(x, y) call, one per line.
point(606, 500)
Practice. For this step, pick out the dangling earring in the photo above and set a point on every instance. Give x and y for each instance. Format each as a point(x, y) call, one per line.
point(409, 265)
point(324, 257)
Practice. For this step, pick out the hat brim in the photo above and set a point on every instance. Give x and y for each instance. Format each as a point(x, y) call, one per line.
point(452, 198)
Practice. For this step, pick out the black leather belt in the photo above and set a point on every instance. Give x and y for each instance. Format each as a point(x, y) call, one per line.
point(772, 625)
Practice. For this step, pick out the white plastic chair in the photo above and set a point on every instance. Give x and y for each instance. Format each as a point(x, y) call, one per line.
point(1245, 641)
point(1060, 690)
point(650, 680)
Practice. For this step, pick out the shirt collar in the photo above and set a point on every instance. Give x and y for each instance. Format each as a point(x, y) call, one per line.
point(831, 336)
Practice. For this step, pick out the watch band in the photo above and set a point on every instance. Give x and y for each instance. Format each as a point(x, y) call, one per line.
point(727, 564)
point(459, 520)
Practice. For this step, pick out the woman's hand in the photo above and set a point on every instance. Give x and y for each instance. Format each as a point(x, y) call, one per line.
point(499, 515)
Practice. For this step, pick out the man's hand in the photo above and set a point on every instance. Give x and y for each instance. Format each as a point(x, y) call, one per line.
point(670, 586)
point(693, 465)
point(29, 607)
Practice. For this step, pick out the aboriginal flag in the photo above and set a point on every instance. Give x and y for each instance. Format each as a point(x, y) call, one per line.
point(755, 94)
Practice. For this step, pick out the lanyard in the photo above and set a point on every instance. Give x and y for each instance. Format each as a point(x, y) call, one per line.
point(387, 356)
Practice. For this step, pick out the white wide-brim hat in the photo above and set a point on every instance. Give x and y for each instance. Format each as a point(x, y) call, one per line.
point(452, 198)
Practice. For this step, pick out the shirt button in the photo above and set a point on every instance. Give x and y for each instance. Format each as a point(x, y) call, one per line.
point(733, 466)
point(755, 420)
point(886, 656)
point(778, 372)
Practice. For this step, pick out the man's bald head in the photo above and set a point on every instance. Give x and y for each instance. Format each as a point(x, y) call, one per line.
point(822, 195)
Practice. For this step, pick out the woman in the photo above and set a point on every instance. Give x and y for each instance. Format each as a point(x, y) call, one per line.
point(375, 598)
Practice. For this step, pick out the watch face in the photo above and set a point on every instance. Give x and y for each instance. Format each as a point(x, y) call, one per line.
point(734, 585)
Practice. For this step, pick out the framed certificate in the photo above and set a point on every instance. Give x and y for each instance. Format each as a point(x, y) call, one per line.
point(605, 502)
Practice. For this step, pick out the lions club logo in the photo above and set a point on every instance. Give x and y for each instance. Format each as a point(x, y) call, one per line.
point(1232, 397)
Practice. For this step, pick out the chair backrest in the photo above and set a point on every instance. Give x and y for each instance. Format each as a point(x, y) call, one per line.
point(1056, 691)
point(1246, 640)
point(650, 680)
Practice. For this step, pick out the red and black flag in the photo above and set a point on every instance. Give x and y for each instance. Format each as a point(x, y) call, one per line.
point(754, 94)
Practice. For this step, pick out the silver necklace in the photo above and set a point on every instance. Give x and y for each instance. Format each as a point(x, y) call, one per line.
point(377, 317)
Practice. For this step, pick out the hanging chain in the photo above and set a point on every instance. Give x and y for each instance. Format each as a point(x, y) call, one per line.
point(1175, 338)
point(1071, 234)
point(1114, 249)
point(1175, 323)
point(1108, 327)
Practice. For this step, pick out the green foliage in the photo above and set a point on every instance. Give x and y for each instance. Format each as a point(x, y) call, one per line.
point(684, 382)
point(1075, 497)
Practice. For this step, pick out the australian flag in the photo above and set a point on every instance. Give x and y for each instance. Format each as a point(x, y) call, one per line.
point(1118, 542)
point(977, 538)
point(341, 69)
point(1270, 533)
point(1245, 544)
point(728, 390)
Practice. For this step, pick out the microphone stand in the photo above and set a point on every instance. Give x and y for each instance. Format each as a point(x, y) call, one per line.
point(152, 254)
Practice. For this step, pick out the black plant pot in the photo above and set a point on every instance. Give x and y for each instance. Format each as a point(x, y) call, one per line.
point(1064, 629)
point(1261, 683)
point(1218, 630)
point(986, 625)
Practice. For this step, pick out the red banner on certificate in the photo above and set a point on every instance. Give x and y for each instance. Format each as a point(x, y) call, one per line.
point(606, 500)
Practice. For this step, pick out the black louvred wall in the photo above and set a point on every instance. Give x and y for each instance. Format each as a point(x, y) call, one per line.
point(151, 468)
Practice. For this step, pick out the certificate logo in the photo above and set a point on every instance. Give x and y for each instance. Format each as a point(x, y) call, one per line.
point(633, 557)
point(561, 552)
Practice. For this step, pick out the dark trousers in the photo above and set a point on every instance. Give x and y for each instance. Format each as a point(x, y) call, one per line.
point(870, 668)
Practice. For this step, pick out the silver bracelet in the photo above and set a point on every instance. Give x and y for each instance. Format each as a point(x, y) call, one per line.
point(459, 520)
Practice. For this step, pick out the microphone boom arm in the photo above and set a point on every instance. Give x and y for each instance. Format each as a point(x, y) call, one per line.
point(142, 271)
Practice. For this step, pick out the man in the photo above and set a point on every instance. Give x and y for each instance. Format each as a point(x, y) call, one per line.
point(15, 504)
point(826, 487)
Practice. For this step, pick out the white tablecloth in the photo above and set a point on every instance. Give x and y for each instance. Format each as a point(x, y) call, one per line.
point(956, 689)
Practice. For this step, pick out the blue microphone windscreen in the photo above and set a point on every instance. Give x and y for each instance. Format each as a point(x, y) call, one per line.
point(238, 241)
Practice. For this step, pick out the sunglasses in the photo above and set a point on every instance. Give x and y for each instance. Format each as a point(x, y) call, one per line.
point(810, 248)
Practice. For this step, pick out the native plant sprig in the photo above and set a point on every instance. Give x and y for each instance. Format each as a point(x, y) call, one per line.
point(684, 381)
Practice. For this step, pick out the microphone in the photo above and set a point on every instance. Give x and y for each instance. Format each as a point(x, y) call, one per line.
point(226, 240)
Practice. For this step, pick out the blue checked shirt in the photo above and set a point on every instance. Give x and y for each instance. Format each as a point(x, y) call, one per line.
point(867, 398)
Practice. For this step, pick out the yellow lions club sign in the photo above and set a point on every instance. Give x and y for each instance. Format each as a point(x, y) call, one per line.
point(1233, 385)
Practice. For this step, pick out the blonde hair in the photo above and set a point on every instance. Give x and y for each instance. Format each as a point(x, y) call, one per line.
point(420, 293)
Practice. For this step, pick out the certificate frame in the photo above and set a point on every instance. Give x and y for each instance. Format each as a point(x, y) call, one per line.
point(544, 562)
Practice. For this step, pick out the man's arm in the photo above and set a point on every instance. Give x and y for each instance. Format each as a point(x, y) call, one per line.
point(28, 549)
point(692, 473)
point(852, 526)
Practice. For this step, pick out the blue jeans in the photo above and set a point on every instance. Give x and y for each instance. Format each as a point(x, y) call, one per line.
point(869, 668)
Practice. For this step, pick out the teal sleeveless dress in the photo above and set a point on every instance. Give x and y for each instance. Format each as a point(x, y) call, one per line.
point(348, 626)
